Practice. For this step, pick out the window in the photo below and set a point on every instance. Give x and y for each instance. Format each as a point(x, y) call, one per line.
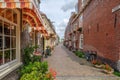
point(13, 54)
point(81, 41)
point(7, 42)
point(6, 28)
point(1, 29)
point(81, 18)
point(7, 56)
point(1, 42)
point(1, 57)
point(6, 35)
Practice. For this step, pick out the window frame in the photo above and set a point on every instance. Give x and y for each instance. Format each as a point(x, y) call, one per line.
point(81, 43)
point(3, 20)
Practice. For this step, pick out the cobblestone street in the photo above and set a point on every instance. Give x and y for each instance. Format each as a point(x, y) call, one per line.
point(70, 67)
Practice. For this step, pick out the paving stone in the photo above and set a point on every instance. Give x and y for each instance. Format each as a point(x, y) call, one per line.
point(70, 67)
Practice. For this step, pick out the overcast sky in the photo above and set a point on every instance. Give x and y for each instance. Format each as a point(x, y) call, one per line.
point(58, 11)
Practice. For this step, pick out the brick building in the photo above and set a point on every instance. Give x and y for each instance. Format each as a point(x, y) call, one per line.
point(70, 33)
point(73, 32)
point(101, 30)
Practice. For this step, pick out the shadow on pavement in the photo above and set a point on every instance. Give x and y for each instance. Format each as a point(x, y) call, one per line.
point(75, 58)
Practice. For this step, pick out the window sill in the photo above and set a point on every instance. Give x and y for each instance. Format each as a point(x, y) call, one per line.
point(116, 8)
point(8, 67)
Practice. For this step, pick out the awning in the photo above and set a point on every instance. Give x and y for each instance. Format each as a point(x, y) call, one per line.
point(31, 14)
point(16, 4)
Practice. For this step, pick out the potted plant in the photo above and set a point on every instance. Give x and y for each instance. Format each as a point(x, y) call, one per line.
point(108, 69)
point(51, 75)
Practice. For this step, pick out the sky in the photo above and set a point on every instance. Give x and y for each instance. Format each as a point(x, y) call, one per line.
point(59, 12)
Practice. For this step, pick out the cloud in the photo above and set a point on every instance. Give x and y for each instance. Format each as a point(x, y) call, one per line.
point(66, 20)
point(69, 6)
point(63, 24)
point(61, 27)
point(57, 12)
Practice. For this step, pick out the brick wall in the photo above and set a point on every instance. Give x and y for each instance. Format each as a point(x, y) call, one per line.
point(79, 4)
point(100, 33)
point(117, 31)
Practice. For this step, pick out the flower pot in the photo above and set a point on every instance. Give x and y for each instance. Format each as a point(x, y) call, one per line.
point(98, 66)
point(108, 72)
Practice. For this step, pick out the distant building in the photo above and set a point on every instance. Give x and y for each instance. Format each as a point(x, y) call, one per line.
point(73, 32)
point(52, 38)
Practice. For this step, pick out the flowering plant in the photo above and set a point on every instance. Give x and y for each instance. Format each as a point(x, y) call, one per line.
point(96, 62)
point(107, 67)
point(52, 74)
point(37, 53)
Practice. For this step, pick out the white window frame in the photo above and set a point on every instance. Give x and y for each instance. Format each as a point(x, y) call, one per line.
point(5, 69)
point(5, 65)
point(81, 41)
point(3, 50)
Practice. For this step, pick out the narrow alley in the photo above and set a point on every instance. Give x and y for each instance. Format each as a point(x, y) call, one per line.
point(59, 39)
point(70, 67)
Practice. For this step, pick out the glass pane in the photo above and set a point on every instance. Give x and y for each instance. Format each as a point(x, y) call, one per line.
point(7, 42)
point(7, 56)
point(6, 28)
point(1, 43)
point(13, 42)
point(1, 27)
point(13, 54)
point(13, 30)
point(1, 57)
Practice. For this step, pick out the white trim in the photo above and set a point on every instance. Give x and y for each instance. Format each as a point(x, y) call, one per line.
point(81, 42)
point(6, 65)
point(9, 69)
point(8, 21)
point(116, 8)
point(6, 68)
point(18, 4)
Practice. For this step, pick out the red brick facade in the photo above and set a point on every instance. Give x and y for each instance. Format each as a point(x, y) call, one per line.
point(102, 29)
point(72, 33)
point(99, 21)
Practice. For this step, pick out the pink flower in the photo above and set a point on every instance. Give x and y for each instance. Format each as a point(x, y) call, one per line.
point(53, 72)
point(37, 53)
